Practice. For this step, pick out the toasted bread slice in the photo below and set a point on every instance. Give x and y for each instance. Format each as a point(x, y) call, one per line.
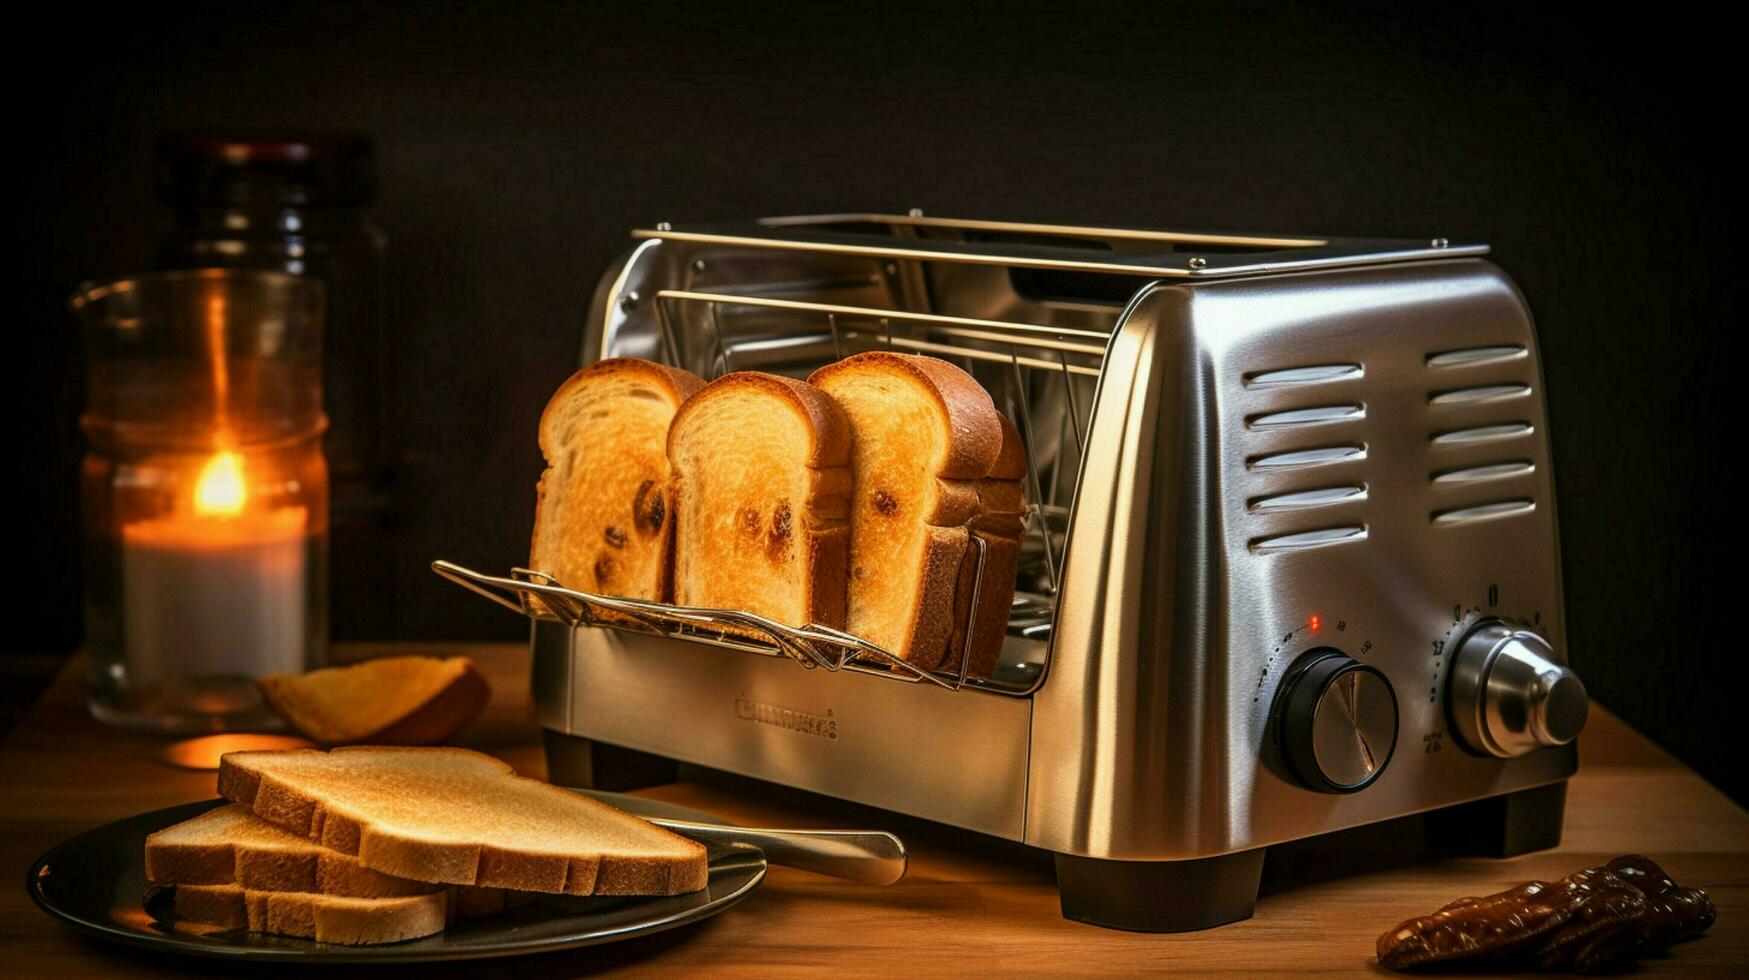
point(460, 817)
point(390, 701)
point(923, 433)
point(761, 486)
point(1000, 521)
point(602, 520)
point(230, 845)
point(323, 918)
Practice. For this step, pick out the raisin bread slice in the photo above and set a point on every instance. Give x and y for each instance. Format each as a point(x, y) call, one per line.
point(761, 488)
point(602, 516)
point(924, 433)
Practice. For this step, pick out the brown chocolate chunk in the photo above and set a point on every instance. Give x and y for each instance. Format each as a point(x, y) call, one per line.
point(614, 536)
point(1596, 919)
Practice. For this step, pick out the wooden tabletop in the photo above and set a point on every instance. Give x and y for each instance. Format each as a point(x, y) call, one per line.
point(969, 904)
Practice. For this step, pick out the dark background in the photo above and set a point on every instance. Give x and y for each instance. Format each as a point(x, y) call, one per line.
point(519, 143)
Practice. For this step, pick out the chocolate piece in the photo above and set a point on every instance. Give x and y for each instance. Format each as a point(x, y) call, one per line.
point(1596, 919)
point(1491, 926)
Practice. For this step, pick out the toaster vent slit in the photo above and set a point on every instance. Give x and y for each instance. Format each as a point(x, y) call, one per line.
point(1301, 540)
point(1318, 456)
point(1476, 356)
point(1479, 393)
point(1486, 471)
point(1483, 433)
point(1318, 415)
point(1304, 499)
point(1483, 512)
point(1310, 374)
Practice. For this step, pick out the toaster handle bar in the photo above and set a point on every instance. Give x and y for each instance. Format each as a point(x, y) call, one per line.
point(869, 857)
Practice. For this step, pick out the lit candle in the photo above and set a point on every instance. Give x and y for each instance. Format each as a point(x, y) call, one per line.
point(215, 589)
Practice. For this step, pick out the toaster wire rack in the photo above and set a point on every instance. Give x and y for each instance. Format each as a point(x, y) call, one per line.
point(1014, 358)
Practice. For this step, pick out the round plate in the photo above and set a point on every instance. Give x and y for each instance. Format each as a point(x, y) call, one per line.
point(97, 880)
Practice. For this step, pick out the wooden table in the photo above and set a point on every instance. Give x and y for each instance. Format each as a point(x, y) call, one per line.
point(969, 904)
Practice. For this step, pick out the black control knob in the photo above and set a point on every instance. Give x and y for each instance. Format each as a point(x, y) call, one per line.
point(1510, 694)
point(1338, 721)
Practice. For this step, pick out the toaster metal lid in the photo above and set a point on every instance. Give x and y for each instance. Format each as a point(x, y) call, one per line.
point(1069, 248)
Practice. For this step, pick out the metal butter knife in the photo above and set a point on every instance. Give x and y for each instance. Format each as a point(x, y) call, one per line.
point(870, 857)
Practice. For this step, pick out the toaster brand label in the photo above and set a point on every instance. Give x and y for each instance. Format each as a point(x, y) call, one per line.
point(777, 716)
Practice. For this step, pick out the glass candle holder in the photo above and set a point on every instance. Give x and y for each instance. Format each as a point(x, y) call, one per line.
point(205, 495)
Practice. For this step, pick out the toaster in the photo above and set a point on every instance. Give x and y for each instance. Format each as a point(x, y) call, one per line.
point(1290, 565)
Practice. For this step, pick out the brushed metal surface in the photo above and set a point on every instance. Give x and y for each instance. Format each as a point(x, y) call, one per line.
point(954, 756)
point(1198, 546)
point(1173, 632)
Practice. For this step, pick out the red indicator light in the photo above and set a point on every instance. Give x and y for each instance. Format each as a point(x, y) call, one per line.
point(1315, 622)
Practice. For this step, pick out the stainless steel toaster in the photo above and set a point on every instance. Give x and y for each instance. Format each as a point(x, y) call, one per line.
point(1291, 564)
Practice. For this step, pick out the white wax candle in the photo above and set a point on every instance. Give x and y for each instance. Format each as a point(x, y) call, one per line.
point(215, 596)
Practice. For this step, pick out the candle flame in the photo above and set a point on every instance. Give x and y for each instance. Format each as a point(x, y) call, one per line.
point(220, 491)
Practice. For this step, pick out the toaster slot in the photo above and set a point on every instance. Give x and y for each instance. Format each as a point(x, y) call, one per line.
point(1042, 375)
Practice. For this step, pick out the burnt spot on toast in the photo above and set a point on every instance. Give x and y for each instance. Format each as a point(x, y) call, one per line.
point(885, 503)
point(606, 569)
point(649, 508)
point(615, 536)
point(751, 523)
point(777, 543)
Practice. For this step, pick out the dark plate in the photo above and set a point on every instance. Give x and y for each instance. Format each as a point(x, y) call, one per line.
point(96, 882)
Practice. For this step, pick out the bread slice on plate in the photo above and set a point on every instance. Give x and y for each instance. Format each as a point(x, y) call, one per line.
point(323, 918)
point(602, 520)
point(924, 432)
point(389, 701)
point(455, 816)
point(1000, 520)
point(761, 487)
point(230, 845)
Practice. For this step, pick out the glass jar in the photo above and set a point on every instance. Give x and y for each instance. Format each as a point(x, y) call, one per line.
point(204, 495)
point(295, 204)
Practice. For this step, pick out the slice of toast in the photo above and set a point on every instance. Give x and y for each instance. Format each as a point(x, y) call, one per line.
point(761, 487)
point(602, 515)
point(924, 432)
point(229, 845)
point(1000, 521)
point(388, 701)
point(323, 918)
point(460, 817)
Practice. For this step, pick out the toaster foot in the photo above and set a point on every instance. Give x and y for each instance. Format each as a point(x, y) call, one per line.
point(1501, 826)
point(576, 761)
point(1160, 896)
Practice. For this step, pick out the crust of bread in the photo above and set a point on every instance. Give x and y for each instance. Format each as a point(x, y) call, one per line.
point(593, 530)
point(297, 790)
point(1000, 521)
point(433, 700)
point(324, 918)
point(761, 485)
point(914, 419)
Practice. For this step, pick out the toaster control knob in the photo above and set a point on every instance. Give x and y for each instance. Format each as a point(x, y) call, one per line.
point(1510, 694)
point(1338, 722)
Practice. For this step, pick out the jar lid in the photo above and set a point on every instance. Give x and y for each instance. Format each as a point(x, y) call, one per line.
point(234, 167)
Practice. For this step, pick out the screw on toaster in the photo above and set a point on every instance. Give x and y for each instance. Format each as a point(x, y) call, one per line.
point(698, 265)
point(1439, 243)
point(664, 226)
point(915, 212)
point(1198, 262)
point(629, 301)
